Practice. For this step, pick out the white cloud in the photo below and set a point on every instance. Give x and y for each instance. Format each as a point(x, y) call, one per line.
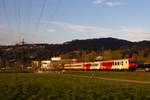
point(80, 28)
point(9, 38)
point(51, 30)
point(133, 34)
point(131, 30)
point(1, 27)
point(12, 37)
point(146, 35)
point(111, 4)
point(97, 1)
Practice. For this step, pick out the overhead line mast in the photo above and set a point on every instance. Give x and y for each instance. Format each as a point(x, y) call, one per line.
point(23, 53)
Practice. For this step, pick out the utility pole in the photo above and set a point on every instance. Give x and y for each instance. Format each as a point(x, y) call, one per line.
point(102, 53)
point(23, 53)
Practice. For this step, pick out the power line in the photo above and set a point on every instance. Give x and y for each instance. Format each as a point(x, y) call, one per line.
point(5, 12)
point(19, 17)
point(41, 13)
point(56, 9)
point(30, 10)
point(16, 14)
point(1, 12)
point(59, 2)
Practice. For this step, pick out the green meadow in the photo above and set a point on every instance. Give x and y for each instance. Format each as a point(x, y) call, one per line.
point(138, 76)
point(53, 86)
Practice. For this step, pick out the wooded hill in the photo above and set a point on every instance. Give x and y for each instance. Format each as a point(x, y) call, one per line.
point(83, 50)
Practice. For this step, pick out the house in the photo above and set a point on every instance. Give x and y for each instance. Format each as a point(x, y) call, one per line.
point(56, 58)
point(46, 65)
point(35, 64)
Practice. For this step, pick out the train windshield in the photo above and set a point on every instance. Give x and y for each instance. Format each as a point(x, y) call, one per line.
point(132, 61)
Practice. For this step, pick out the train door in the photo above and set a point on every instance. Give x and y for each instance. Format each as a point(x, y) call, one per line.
point(106, 65)
point(87, 66)
point(125, 64)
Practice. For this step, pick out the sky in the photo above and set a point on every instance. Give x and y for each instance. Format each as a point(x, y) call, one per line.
point(58, 21)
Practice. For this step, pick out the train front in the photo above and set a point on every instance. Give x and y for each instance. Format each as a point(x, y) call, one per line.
point(132, 64)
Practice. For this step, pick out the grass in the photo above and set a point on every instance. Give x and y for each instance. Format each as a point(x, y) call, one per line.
point(13, 70)
point(52, 86)
point(139, 76)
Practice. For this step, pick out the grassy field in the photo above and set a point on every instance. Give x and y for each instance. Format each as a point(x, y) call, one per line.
point(52, 86)
point(139, 76)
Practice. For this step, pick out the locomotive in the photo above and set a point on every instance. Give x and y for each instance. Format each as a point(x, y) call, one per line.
point(122, 64)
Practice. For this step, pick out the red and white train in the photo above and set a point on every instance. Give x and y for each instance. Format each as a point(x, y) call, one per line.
point(123, 64)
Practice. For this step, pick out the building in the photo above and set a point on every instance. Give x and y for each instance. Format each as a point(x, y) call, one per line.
point(46, 65)
point(35, 64)
point(56, 58)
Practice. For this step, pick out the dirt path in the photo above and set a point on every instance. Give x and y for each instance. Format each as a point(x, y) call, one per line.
point(112, 79)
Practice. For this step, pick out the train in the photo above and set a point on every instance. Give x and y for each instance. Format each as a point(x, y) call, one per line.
point(122, 64)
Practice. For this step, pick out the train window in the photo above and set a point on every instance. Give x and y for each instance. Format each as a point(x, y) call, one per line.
point(76, 65)
point(105, 64)
point(132, 61)
point(118, 63)
point(122, 63)
point(67, 65)
point(94, 64)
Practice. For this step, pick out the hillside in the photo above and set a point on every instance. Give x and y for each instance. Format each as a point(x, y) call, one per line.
point(87, 44)
point(96, 44)
point(112, 47)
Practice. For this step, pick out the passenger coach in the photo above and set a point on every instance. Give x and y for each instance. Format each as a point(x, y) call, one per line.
point(123, 64)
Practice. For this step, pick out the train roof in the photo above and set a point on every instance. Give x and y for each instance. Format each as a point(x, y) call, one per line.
point(119, 60)
point(102, 61)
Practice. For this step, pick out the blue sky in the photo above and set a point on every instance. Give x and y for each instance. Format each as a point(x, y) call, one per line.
point(57, 21)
